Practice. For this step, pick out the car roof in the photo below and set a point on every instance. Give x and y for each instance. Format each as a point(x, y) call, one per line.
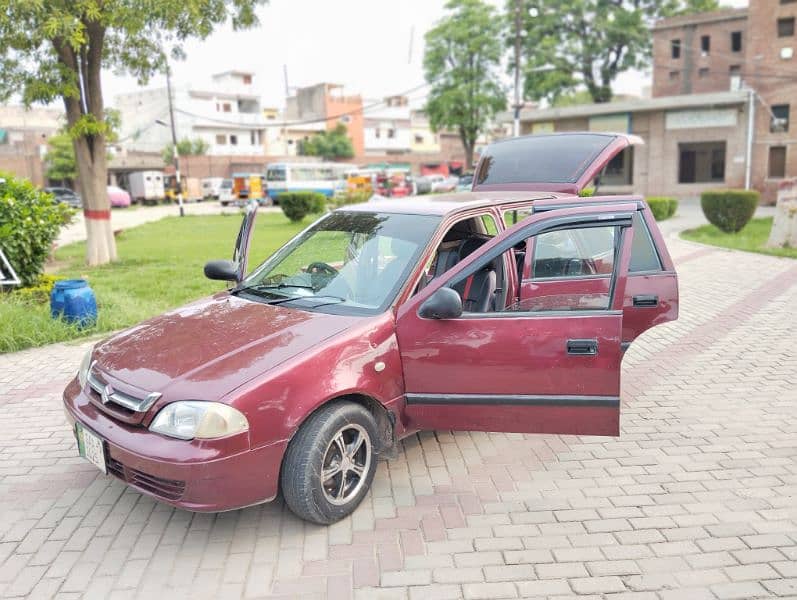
point(444, 204)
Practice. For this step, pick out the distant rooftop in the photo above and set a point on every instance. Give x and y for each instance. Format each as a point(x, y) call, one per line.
point(714, 16)
point(637, 105)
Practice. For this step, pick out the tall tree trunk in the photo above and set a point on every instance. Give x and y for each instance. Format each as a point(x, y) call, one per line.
point(100, 242)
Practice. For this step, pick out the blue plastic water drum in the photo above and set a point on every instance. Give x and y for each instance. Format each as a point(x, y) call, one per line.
point(74, 301)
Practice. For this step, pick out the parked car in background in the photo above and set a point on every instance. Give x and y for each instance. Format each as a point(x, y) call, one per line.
point(211, 187)
point(445, 184)
point(465, 182)
point(118, 197)
point(146, 187)
point(65, 195)
point(226, 192)
point(504, 310)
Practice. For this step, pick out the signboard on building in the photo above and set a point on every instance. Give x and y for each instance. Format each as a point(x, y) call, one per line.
point(542, 127)
point(695, 119)
point(617, 123)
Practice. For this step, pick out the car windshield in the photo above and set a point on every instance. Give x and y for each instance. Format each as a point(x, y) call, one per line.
point(348, 262)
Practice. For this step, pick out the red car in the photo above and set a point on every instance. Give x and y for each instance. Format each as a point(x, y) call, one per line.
point(488, 310)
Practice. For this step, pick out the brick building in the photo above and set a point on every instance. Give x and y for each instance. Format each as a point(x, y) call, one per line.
point(751, 48)
point(710, 72)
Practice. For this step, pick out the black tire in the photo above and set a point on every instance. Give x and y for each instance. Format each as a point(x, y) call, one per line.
point(317, 442)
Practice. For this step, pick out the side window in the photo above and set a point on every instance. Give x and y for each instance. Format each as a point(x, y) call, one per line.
point(570, 253)
point(488, 223)
point(644, 256)
point(516, 215)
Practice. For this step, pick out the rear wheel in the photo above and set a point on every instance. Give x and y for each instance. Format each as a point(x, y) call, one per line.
point(330, 463)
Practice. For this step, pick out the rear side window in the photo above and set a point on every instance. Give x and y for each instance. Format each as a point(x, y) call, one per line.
point(571, 253)
point(644, 256)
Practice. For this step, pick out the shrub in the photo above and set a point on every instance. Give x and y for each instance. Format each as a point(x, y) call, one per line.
point(587, 192)
point(297, 205)
point(30, 220)
point(39, 291)
point(662, 207)
point(352, 197)
point(729, 210)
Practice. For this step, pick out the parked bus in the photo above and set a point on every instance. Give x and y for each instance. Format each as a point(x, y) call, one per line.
point(325, 178)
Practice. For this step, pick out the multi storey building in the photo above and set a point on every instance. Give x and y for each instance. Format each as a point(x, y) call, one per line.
point(227, 116)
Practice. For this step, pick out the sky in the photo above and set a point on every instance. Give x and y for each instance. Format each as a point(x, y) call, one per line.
point(372, 47)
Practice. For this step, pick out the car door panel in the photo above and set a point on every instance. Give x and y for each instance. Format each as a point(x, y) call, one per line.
point(660, 281)
point(518, 371)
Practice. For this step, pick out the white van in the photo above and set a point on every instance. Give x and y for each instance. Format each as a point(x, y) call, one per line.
point(146, 187)
point(211, 187)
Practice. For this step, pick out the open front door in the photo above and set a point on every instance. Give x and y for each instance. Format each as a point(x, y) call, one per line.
point(240, 255)
point(540, 365)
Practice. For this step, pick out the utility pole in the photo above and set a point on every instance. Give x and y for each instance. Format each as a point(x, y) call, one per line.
point(518, 24)
point(175, 154)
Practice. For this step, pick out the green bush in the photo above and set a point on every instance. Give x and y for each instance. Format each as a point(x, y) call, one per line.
point(39, 291)
point(297, 205)
point(729, 210)
point(352, 197)
point(30, 220)
point(662, 207)
point(587, 192)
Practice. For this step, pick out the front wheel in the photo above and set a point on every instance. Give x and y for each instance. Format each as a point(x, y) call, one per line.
point(330, 463)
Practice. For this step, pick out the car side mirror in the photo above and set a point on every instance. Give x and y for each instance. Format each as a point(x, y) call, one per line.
point(223, 270)
point(445, 303)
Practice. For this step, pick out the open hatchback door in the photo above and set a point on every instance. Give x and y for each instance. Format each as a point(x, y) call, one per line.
point(545, 363)
point(561, 162)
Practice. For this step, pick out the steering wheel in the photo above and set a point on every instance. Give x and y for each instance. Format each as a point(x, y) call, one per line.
point(321, 268)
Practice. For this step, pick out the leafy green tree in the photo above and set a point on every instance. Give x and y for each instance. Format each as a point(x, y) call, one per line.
point(57, 49)
point(330, 145)
point(60, 160)
point(585, 44)
point(463, 54)
point(185, 147)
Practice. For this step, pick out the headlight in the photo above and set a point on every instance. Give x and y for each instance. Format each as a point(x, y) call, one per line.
point(85, 365)
point(189, 419)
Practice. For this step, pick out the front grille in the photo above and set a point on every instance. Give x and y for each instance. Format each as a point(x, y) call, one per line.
point(169, 489)
point(119, 404)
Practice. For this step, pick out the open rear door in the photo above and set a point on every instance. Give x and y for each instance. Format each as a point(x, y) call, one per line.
point(557, 162)
point(545, 365)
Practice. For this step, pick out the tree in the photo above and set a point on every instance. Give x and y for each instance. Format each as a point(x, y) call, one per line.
point(463, 54)
point(57, 49)
point(331, 144)
point(584, 44)
point(60, 160)
point(185, 147)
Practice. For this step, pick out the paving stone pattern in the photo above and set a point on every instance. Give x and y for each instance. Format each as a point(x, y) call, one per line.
point(696, 499)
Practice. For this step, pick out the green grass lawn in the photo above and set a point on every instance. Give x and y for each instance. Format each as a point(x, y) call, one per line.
point(752, 238)
point(160, 268)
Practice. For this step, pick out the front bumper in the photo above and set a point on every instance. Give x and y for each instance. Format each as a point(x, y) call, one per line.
point(197, 475)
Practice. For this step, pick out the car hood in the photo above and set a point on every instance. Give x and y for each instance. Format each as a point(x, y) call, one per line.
point(208, 348)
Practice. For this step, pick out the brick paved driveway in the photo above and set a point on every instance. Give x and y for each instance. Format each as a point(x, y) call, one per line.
point(696, 499)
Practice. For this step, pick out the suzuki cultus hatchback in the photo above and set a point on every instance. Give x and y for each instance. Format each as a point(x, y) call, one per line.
point(507, 308)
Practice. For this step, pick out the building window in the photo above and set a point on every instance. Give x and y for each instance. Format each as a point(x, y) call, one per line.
point(418, 139)
point(675, 48)
point(777, 162)
point(377, 133)
point(780, 119)
point(247, 79)
point(788, 1)
point(786, 27)
point(674, 75)
point(705, 45)
point(233, 140)
point(221, 139)
point(736, 41)
point(701, 162)
point(620, 169)
point(218, 107)
point(391, 133)
point(735, 70)
point(227, 107)
point(702, 72)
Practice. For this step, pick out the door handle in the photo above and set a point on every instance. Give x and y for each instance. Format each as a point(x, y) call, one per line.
point(646, 300)
point(582, 347)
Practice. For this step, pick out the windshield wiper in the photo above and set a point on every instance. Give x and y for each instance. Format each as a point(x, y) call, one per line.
point(280, 286)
